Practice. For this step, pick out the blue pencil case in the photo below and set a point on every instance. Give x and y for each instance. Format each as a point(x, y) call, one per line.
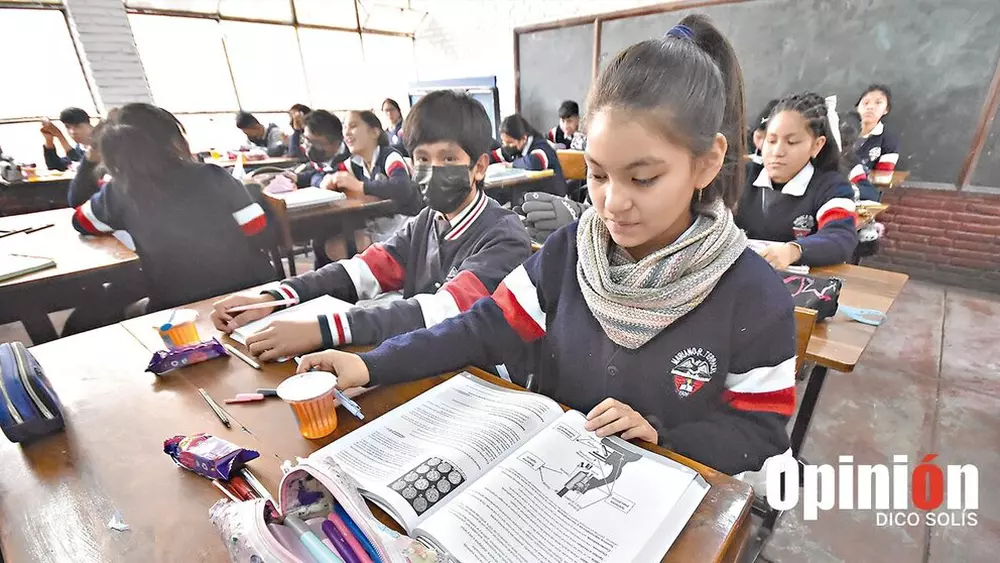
point(28, 406)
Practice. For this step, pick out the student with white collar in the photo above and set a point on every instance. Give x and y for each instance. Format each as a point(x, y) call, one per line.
point(524, 147)
point(877, 149)
point(800, 199)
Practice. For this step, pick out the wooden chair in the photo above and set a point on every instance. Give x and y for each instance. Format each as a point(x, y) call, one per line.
point(805, 323)
point(572, 163)
point(278, 212)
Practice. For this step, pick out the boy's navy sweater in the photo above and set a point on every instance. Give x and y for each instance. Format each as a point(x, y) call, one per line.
point(440, 267)
point(55, 162)
point(814, 209)
point(271, 142)
point(718, 385)
point(538, 154)
point(878, 153)
point(312, 172)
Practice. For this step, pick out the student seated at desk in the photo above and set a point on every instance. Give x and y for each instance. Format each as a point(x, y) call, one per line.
point(193, 224)
point(524, 147)
point(297, 120)
point(799, 198)
point(649, 314)
point(77, 122)
point(323, 144)
point(758, 130)
point(454, 252)
point(850, 162)
point(567, 134)
point(270, 139)
point(395, 129)
point(877, 148)
point(91, 175)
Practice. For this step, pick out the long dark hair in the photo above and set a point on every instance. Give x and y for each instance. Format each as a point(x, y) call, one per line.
point(812, 107)
point(518, 127)
point(143, 146)
point(689, 84)
point(373, 121)
point(850, 130)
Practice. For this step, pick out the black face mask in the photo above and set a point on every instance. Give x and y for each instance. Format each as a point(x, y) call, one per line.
point(443, 187)
point(510, 153)
point(317, 154)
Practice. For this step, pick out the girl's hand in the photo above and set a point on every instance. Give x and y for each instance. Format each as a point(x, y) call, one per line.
point(349, 184)
point(350, 369)
point(612, 416)
point(781, 256)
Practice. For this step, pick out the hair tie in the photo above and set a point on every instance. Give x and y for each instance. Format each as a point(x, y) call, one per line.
point(680, 31)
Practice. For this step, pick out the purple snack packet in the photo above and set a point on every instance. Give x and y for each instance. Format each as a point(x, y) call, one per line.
point(167, 360)
point(207, 455)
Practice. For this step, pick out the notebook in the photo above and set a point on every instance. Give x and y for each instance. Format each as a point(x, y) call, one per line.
point(303, 311)
point(16, 265)
point(308, 197)
point(497, 172)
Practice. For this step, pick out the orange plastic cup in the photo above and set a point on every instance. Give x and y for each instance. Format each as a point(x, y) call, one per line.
point(181, 330)
point(311, 397)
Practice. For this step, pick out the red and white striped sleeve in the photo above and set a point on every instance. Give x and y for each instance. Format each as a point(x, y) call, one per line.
point(251, 219)
point(539, 159)
point(858, 174)
point(456, 296)
point(882, 172)
point(374, 272)
point(496, 155)
point(837, 209)
point(763, 389)
point(91, 217)
point(517, 297)
point(395, 166)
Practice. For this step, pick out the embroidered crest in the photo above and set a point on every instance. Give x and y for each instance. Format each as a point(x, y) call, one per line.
point(803, 225)
point(693, 367)
point(452, 273)
point(874, 153)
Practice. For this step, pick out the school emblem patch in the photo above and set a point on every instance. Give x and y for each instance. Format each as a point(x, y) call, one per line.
point(875, 153)
point(803, 225)
point(693, 367)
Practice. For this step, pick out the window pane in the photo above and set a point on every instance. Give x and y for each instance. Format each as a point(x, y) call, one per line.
point(266, 65)
point(23, 142)
point(264, 10)
point(184, 75)
point(330, 57)
point(386, 15)
point(393, 57)
point(335, 13)
point(212, 131)
point(198, 6)
point(39, 43)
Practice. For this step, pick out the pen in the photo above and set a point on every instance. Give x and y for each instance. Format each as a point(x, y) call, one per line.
point(224, 490)
point(345, 532)
point(357, 533)
point(316, 548)
point(346, 401)
point(215, 408)
point(254, 482)
point(339, 542)
point(36, 229)
point(250, 362)
point(265, 305)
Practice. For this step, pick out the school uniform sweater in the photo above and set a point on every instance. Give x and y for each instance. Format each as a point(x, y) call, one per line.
point(441, 267)
point(814, 209)
point(389, 178)
point(295, 145)
point(576, 141)
point(312, 172)
point(55, 162)
point(395, 134)
point(537, 154)
point(878, 153)
point(718, 385)
point(89, 180)
point(271, 141)
point(196, 242)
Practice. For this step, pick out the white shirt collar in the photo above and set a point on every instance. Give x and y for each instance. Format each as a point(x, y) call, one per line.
point(877, 130)
point(795, 187)
point(527, 146)
point(467, 216)
point(357, 159)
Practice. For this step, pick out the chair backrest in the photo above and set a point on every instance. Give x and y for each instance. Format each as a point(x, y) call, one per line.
point(572, 163)
point(805, 322)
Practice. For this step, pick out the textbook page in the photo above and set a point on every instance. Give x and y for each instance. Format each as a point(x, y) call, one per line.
point(306, 310)
point(567, 495)
point(422, 454)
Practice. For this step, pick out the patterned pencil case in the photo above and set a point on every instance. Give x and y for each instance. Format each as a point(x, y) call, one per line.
point(30, 408)
point(814, 292)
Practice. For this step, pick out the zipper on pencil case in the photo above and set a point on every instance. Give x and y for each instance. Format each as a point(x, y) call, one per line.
point(6, 399)
point(22, 370)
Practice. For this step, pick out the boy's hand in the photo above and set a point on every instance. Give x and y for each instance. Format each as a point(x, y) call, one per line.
point(228, 323)
point(350, 369)
point(612, 416)
point(284, 339)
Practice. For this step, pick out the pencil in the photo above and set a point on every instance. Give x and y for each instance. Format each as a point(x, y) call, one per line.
point(224, 490)
point(265, 305)
point(36, 229)
point(254, 483)
point(215, 408)
point(232, 350)
point(14, 232)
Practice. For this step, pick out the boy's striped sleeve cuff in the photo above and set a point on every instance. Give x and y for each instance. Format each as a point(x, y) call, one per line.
point(281, 293)
point(335, 329)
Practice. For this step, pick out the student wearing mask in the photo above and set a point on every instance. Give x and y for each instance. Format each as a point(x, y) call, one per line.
point(800, 199)
point(77, 123)
point(877, 148)
point(395, 129)
point(323, 145)
point(651, 284)
point(297, 120)
point(524, 147)
point(455, 251)
point(567, 134)
point(271, 139)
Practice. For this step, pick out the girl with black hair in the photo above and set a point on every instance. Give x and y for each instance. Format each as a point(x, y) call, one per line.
point(877, 149)
point(800, 200)
point(395, 129)
point(688, 336)
point(758, 130)
point(524, 147)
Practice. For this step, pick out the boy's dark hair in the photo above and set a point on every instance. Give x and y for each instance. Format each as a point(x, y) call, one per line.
point(325, 124)
point(812, 107)
point(304, 109)
point(517, 127)
point(74, 116)
point(690, 84)
point(569, 109)
point(392, 103)
point(450, 116)
point(245, 119)
point(143, 146)
point(373, 121)
point(878, 88)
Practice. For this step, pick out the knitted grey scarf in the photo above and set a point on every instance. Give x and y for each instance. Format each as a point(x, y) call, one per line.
point(634, 301)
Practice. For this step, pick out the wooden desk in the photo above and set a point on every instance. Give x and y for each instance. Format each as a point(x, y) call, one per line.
point(532, 177)
point(38, 194)
point(80, 261)
point(248, 165)
point(898, 177)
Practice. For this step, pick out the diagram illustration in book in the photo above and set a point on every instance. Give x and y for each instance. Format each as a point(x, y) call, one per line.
point(428, 483)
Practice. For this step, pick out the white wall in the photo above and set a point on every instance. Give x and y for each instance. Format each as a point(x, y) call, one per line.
point(464, 38)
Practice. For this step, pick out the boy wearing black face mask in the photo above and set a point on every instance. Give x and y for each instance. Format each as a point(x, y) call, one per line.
point(454, 252)
point(323, 143)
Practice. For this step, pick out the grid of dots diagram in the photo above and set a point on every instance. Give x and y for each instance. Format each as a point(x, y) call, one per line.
point(428, 483)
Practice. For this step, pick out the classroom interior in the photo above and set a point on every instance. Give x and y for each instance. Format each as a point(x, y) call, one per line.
point(926, 380)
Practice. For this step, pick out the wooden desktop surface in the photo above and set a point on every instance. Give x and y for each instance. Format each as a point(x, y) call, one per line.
point(279, 161)
point(839, 342)
point(898, 177)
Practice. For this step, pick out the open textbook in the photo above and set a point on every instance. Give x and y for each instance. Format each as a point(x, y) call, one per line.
point(477, 470)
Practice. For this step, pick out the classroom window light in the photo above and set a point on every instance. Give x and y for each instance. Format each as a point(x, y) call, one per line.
point(193, 6)
point(266, 65)
point(265, 10)
point(335, 68)
point(385, 15)
point(332, 13)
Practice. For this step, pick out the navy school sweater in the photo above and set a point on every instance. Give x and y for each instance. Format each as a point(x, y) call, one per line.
point(538, 154)
point(718, 385)
point(197, 243)
point(878, 153)
point(55, 162)
point(814, 209)
point(312, 173)
point(271, 142)
point(440, 267)
point(389, 178)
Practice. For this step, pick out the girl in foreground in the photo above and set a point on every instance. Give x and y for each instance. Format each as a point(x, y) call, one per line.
point(649, 314)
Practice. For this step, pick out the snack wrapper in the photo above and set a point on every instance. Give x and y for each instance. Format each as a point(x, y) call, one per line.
point(167, 360)
point(207, 455)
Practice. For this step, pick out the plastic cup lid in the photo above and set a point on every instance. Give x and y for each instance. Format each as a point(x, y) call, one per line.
point(307, 386)
point(180, 316)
